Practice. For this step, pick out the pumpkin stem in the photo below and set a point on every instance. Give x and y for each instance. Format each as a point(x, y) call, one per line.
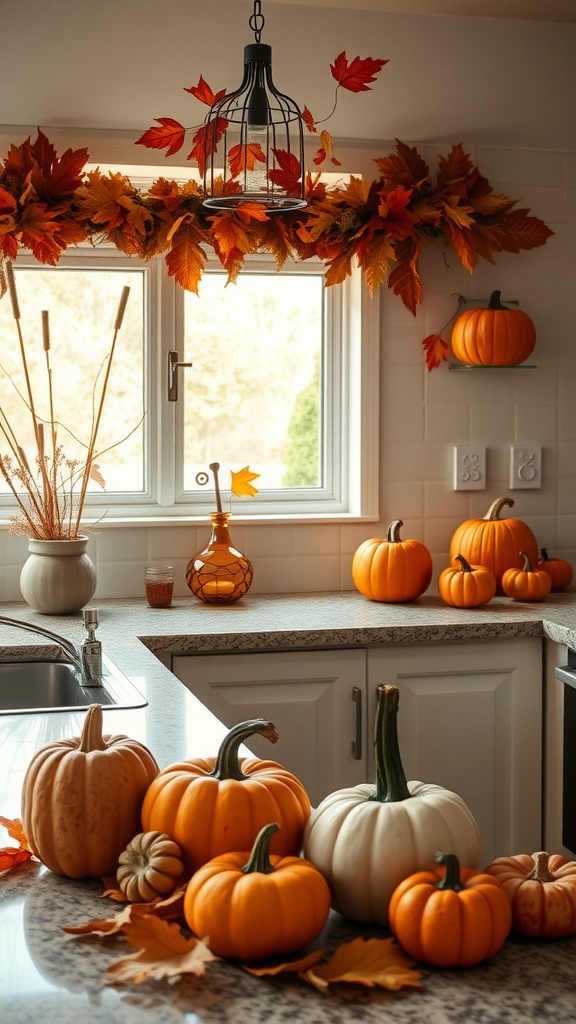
point(392, 535)
point(391, 785)
point(260, 855)
point(92, 738)
point(540, 871)
point(227, 764)
point(544, 554)
point(497, 506)
point(464, 565)
point(451, 879)
point(494, 302)
point(527, 567)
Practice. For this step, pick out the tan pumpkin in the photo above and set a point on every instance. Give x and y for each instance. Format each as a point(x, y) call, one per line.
point(541, 888)
point(150, 867)
point(494, 542)
point(392, 569)
point(82, 798)
point(496, 336)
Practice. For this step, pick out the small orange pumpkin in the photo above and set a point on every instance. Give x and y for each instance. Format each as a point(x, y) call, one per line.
point(526, 584)
point(558, 569)
point(494, 542)
point(496, 336)
point(217, 805)
point(466, 586)
point(541, 888)
point(254, 905)
point(451, 916)
point(392, 569)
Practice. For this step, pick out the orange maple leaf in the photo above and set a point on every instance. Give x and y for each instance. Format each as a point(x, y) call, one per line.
point(186, 259)
point(370, 962)
point(12, 856)
point(245, 157)
point(288, 173)
point(169, 136)
point(291, 967)
point(436, 348)
point(404, 167)
point(163, 952)
point(405, 279)
point(357, 74)
point(309, 120)
point(397, 220)
point(204, 93)
point(241, 484)
point(205, 141)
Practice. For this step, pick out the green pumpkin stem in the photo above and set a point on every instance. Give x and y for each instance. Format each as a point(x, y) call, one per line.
point(451, 879)
point(260, 855)
point(391, 785)
point(227, 762)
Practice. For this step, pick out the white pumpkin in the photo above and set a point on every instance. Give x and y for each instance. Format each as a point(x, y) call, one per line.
point(365, 840)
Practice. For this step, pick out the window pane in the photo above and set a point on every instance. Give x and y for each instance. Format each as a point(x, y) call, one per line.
point(254, 394)
point(81, 305)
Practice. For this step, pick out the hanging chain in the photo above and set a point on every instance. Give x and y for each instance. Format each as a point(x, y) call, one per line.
point(256, 21)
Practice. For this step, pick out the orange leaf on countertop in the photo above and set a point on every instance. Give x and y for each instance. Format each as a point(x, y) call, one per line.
point(168, 907)
point(357, 74)
point(370, 962)
point(163, 952)
point(13, 856)
point(304, 963)
point(436, 348)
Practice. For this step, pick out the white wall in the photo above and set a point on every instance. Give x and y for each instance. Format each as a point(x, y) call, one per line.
point(505, 88)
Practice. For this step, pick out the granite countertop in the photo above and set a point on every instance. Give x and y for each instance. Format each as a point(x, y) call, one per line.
point(51, 977)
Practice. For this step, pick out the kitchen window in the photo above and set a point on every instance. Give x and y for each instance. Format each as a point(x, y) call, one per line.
point(284, 379)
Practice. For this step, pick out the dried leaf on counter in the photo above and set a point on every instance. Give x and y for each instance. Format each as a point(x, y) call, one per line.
point(103, 925)
point(13, 856)
point(292, 967)
point(163, 953)
point(170, 907)
point(370, 962)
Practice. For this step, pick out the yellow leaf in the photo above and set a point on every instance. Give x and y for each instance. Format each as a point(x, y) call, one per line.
point(163, 952)
point(241, 482)
point(370, 962)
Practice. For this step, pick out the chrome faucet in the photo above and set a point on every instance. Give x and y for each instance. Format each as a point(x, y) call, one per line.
point(66, 646)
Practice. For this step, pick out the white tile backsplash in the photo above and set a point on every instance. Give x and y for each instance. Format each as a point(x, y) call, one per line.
point(423, 416)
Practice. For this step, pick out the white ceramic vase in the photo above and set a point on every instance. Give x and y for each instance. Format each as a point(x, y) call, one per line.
point(58, 577)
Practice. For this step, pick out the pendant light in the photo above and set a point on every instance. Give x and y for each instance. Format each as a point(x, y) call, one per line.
point(257, 139)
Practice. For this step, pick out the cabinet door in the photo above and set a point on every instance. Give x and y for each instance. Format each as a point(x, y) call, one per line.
point(470, 720)
point(314, 698)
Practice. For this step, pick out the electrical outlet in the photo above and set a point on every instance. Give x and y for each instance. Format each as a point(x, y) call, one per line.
point(525, 466)
point(469, 468)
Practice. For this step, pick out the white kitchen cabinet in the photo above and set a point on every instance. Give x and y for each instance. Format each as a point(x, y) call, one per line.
point(315, 699)
point(470, 720)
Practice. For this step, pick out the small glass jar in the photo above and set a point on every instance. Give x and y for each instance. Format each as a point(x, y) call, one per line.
point(159, 581)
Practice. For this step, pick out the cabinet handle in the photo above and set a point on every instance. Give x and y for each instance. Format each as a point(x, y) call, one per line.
point(357, 743)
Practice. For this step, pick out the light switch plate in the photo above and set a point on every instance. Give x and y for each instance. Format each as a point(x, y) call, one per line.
point(469, 468)
point(525, 466)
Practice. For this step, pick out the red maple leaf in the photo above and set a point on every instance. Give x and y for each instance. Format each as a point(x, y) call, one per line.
point(205, 141)
point(204, 93)
point(436, 349)
point(398, 221)
point(170, 136)
point(357, 74)
point(288, 174)
point(309, 120)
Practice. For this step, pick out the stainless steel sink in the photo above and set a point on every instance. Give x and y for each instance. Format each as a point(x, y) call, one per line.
point(36, 687)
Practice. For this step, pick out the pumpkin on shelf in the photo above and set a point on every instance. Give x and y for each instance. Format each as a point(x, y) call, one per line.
point(150, 867)
point(82, 797)
point(216, 805)
point(368, 838)
point(541, 888)
point(252, 905)
point(462, 585)
point(559, 570)
point(494, 542)
point(493, 336)
point(527, 583)
point(390, 569)
point(451, 916)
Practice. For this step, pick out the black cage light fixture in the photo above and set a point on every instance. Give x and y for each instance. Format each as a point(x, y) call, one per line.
point(255, 139)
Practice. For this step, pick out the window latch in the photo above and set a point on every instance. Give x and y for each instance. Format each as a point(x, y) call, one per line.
point(173, 367)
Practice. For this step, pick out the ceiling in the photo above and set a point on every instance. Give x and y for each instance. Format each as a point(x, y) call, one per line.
point(527, 10)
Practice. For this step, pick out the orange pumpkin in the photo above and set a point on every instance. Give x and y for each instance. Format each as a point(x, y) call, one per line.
point(217, 805)
point(496, 336)
point(254, 905)
point(392, 569)
point(451, 916)
point(526, 584)
point(558, 569)
point(541, 888)
point(466, 586)
point(494, 542)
